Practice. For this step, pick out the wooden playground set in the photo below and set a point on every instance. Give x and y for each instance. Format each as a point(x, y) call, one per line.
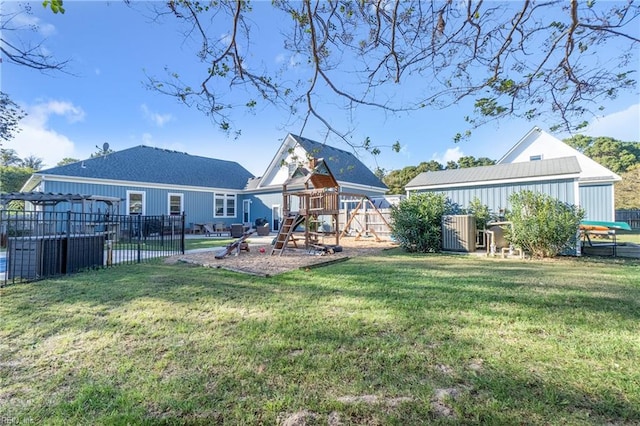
point(312, 211)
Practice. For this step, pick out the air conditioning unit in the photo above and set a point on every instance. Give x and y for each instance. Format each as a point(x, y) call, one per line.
point(459, 233)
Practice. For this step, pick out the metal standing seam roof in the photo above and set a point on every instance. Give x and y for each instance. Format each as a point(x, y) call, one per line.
point(344, 165)
point(508, 171)
point(156, 165)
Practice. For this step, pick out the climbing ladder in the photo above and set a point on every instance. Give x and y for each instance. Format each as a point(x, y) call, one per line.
point(284, 234)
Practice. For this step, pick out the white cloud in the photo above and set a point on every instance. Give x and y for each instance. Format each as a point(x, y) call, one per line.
point(38, 139)
point(622, 125)
point(451, 154)
point(157, 118)
point(40, 113)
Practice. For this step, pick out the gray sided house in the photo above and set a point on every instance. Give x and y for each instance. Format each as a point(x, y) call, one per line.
point(156, 181)
point(493, 185)
point(538, 162)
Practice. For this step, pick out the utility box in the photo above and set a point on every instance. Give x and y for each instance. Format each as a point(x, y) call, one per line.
point(47, 256)
point(459, 233)
point(34, 257)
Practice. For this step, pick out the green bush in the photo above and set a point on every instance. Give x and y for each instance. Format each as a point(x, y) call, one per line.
point(417, 222)
point(542, 225)
point(480, 212)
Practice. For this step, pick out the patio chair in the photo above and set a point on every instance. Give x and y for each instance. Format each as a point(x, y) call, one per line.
point(208, 229)
point(237, 230)
point(219, 229)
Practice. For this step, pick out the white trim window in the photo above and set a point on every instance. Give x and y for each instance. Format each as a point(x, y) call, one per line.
point(175, 203)
point(136, 202)
point(224, 205)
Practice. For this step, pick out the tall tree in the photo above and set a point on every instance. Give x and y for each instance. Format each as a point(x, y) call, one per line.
point(616, 155)
point(32, 162)
point(471, 161)
point(67, 160)
point(559, 59)
point(627, 191)
point(12, 178)
point(10, 115)
point(397, 179)
point(9, 157)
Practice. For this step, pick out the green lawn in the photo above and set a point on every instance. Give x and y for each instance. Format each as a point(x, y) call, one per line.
point(189, 244)
point(628, 236)
point(198, 243)
point(397, 339)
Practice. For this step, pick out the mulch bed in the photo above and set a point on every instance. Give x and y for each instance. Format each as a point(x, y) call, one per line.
point(259, 261)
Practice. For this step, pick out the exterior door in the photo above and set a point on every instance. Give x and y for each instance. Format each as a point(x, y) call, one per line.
point(246, 211)
point(276, 216)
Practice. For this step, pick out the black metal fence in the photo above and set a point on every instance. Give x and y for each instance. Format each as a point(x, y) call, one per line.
point(39, 245)
point(632, 217)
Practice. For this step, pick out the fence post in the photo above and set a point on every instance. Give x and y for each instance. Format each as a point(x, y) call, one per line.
point(139, 219)
point(182, 233)
point(67, 237)
point(161, 231)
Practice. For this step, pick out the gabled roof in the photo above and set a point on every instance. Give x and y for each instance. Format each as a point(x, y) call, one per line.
point(547, 169)
point(156, 165)
point(543, 145)
point(344, 166)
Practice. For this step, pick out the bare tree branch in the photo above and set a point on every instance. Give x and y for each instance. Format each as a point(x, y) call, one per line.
point(539, 60)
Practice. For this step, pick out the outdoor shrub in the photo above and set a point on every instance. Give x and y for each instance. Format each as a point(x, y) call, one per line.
point(542, 225)
point(417, 222)
point(480, 212)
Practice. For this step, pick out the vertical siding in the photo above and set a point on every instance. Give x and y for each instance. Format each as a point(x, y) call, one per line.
point(496, 197)
point(198, 205)
point(261, 205)
point(597, 202)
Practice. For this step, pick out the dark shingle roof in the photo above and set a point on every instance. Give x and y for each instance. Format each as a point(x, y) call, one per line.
point(529, 169)
point(156, 165)
point(344, 165)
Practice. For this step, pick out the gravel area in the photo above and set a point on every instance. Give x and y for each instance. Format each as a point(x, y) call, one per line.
point(258, 260)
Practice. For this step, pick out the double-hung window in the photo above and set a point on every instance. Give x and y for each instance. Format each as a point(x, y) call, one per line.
point(135, 202)
point(224, 205)
point(176, 204)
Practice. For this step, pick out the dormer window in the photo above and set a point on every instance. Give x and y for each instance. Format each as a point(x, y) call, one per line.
point(535, 157)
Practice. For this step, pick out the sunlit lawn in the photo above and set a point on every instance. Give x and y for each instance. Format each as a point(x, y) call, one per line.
point(200, 243)
point(396, 339)
point(189, 244)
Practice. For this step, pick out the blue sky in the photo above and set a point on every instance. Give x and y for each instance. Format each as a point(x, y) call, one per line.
point(102, 98)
